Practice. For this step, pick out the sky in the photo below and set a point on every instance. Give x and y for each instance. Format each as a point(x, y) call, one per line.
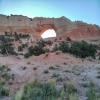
point(83, 10)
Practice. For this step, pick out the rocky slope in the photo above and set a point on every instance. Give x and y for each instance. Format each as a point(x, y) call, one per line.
point(36, 26)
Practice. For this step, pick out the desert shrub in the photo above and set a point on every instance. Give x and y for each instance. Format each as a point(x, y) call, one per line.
point(46, 91)
point(24, 45)
point(19, 36)
point(24, 35)
point(41, 43)
point(56, 48)
point(52, 68)
point(49, 42)
point(55, 75)
point(7, 49)
point(91, 93)
point(98, 76)
point(73, 97)
point(16, 36)
point(46, 72)
point(99, 57)
point(46, 55)
point(19, 95)
point(4, 72)
point(83, 49)
point(71, 89)
point(46, 50)
point(6, 39)
point(64, 47)
point(36, 50)
point(4, 91)
point(27, 55)
point(79, 49)
point(57, 52)
point(20, 48)
point(35, 68)
point(69, 92)
point(39, 91)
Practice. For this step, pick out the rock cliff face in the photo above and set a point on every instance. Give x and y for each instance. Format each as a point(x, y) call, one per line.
point(36, 26)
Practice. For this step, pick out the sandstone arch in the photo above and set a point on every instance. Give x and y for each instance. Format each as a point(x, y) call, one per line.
point(36, 26)
point(42, 28)
point(50, 33)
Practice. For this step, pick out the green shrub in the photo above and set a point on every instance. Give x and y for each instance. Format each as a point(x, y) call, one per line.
point(6, 39)
point(98, 76)
point(52, 68)
point(20, 48)
point(19, 94)
point(46, 91)
point(92, 93)
point(5, 72)
point(4, 91)
point(7, 49)
point(27, 55)
point(99, 57)
point(64, 47)
point(36, 50)
point(55, 75)
point(71, 89)
point(39, 91)
point(69, 92)
point(56, 48)
point(73, 97)
point(41, 43)
point(83, 49)
point(46, 72)
point(79, 49)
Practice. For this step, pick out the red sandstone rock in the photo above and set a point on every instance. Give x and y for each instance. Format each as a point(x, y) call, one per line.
point(36, 26)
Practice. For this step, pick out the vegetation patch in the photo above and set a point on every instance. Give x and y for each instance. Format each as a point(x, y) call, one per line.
point(39, 91)
point(92, 93)
point(4, 90)
point(4, 73)
point(79, 49)
point(47, 91)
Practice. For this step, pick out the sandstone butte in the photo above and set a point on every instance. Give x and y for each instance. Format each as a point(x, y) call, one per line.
point(64, 27)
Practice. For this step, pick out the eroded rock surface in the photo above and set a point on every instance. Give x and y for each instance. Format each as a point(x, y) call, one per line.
point(36, 26)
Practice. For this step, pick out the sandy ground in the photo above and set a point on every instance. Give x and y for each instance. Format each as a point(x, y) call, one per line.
point(67, 67)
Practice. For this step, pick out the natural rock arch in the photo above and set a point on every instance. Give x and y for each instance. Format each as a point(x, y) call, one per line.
point(63, 26)
point(41, 28)
point(49, 34)
point(44, 27)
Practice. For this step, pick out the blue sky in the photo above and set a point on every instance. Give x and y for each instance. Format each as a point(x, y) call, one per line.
point(84, 10)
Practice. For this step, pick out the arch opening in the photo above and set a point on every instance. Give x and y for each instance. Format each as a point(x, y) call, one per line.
point(48, 34)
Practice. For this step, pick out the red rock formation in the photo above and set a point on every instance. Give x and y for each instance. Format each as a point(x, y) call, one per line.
point(84, 32)
point(36, 26)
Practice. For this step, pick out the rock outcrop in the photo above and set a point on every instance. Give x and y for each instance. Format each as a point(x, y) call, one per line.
point(36, 26)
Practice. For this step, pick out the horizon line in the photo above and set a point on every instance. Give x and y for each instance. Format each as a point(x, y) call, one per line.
point(50, 17)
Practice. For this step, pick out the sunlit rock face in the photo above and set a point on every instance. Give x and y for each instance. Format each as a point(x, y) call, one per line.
point(37, 26)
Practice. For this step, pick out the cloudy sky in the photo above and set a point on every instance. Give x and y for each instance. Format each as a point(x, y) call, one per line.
point(84, 10)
